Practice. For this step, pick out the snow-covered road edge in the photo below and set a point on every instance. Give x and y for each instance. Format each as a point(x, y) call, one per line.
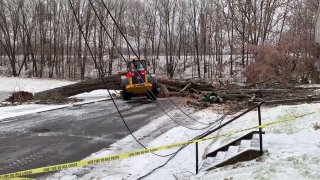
point(134, 167)
point(21, 110)
point(183, 165)
point(12, 84)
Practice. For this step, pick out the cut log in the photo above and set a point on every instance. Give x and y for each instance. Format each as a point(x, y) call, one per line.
point(261, 91)
point(181, 85)
point(173, 88)
point(234, 96)
point(260, 82)
point(164, 91)
point(111, 82)
point(186, 87)
point(168, 82)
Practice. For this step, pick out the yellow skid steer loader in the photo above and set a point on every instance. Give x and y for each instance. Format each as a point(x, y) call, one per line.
point(137, 82)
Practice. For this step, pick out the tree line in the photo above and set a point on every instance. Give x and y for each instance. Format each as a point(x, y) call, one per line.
point(211, 36)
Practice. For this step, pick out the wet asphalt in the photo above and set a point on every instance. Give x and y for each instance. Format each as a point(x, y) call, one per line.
point(70, 134)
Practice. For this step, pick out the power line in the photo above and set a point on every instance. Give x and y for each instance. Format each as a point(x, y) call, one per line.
point(162, 165)
point(148, 91)
point(128, 43)
point(102, 78)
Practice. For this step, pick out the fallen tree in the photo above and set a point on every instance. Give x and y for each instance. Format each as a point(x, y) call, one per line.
point(111, 82)
point(194, 90)
point(179, 85)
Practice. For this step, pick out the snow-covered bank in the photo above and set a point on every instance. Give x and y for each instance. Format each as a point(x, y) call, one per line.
point(288, 156)
point(11, 84)
point(25, 109)
point(291, 151)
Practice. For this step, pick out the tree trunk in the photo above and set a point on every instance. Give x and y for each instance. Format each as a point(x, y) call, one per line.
point(110, 82)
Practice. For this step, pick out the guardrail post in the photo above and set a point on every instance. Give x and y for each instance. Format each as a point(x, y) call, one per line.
point(260, 129)
point(197, 158)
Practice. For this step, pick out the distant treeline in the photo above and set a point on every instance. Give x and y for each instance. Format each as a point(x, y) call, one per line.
point(42, 36)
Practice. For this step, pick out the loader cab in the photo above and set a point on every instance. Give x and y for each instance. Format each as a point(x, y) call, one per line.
point(137, 81)
point(138, 65)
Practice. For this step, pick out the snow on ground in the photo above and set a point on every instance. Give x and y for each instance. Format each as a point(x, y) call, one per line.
point(310, 86)
point(293, 156)
point(19, 110)
point(96, 95)
point(134, 167)
point(291, 147)
point(11, 84)
point(292, 150)
point(24, 109)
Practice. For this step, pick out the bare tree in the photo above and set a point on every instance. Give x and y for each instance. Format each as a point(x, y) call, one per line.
point(9, 25)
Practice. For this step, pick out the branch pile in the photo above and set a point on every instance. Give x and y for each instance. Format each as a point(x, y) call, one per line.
point(269, 89)
point(20, 97)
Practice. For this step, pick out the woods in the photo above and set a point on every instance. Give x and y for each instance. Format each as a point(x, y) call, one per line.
point(207, 39)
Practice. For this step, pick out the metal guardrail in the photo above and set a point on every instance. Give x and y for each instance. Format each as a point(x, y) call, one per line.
point(257, 106)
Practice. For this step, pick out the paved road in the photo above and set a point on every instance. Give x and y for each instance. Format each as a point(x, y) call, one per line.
point(69, 134)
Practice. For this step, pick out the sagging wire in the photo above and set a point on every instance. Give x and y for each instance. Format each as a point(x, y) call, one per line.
point(102, 78)
point(148, 91)
point(153, 170)
point(128, 43)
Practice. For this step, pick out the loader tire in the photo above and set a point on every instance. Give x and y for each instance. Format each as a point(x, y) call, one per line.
point(125, 95)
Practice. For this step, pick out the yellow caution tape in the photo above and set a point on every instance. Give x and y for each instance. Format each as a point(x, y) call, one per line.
point(135, 153)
